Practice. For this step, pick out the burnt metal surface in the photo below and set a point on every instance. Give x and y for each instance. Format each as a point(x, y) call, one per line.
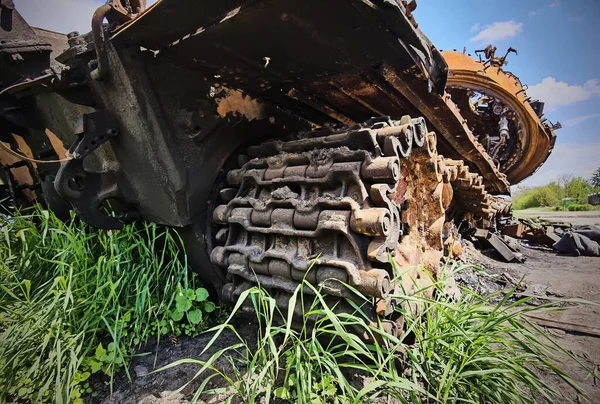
point(217, 123)
point(319, 208)
point(508, 124)
point(93, 130)
point(88, 191)
point(343, 71)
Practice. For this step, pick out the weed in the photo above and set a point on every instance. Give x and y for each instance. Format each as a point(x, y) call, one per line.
point(472, 350)
point(75, 301)
point(466, 350)
point(187, 315)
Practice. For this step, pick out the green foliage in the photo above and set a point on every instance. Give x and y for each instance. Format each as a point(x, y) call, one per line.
point(75, 301)
point(467, 350)
point(187, 317)
point(581, 207)
point(553, 193)
point(595, 180)
point(295, 364)
point(578, 189)
point(548, 195)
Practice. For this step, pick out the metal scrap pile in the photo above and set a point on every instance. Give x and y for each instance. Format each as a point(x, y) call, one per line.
point(536, 230)
point(561, 236)
point(507, 247)
point(582, 240)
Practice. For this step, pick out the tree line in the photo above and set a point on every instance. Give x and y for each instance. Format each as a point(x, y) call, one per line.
point(553, 194)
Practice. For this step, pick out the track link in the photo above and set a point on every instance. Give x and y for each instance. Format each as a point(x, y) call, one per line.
point(471, 195)
point(332, 207)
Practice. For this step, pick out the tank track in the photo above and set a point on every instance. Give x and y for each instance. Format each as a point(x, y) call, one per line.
point(470, 194)
point(333, 206)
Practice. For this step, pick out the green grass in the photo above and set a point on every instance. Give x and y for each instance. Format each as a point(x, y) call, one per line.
point(552, 194)
point(582, 207)
point(453, 351)
point(76, 301)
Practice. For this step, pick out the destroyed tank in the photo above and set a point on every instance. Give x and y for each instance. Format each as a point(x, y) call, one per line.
point(283, 139)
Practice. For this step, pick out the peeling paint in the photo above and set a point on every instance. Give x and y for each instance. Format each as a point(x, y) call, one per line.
point(230, 14)
point(20, 174)
point(238, 104)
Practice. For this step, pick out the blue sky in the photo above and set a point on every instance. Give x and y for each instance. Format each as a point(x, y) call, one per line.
point(559, 57)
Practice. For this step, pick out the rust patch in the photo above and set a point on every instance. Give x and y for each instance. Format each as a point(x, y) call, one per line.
point(20, 174)
point(57, 144)
point(399, 194)
point(24, 147)
point(238, 104)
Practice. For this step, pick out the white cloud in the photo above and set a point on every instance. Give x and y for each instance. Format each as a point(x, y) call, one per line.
point(553, 4)
point(475, 28)
point(577, 159)
point(498, 31)
point(579, 119)
point(559, 94)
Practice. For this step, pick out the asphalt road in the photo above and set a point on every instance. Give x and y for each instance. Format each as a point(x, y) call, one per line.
point(576, 218)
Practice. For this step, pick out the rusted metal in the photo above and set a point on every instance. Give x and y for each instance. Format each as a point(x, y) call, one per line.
point(99, 41)
point(514, 230)
point(263, 149)
point(526, 141)
point(16, 173)
point(325, 209)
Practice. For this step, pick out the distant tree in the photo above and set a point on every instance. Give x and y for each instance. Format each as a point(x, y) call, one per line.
point(552, 194)
point(546, 195)
point(562, 181)
point(578, 188)
point(596, 178)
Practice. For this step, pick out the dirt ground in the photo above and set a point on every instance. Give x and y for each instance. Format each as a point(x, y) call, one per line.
point(547, 275)
point(552, 276)
point(146, 387)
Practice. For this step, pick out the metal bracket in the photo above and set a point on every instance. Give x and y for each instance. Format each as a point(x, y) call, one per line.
point(92, 130)
point(87, 191)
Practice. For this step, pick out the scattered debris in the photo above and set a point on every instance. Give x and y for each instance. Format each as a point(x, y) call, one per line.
point(451, 289)
point(512, 243)
point(561, 236)
point(484, 284)
point(568, 327)
point(583, 240)
point(508, 253)
point(514, 230)
point(538, 231)
point(140, 371)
